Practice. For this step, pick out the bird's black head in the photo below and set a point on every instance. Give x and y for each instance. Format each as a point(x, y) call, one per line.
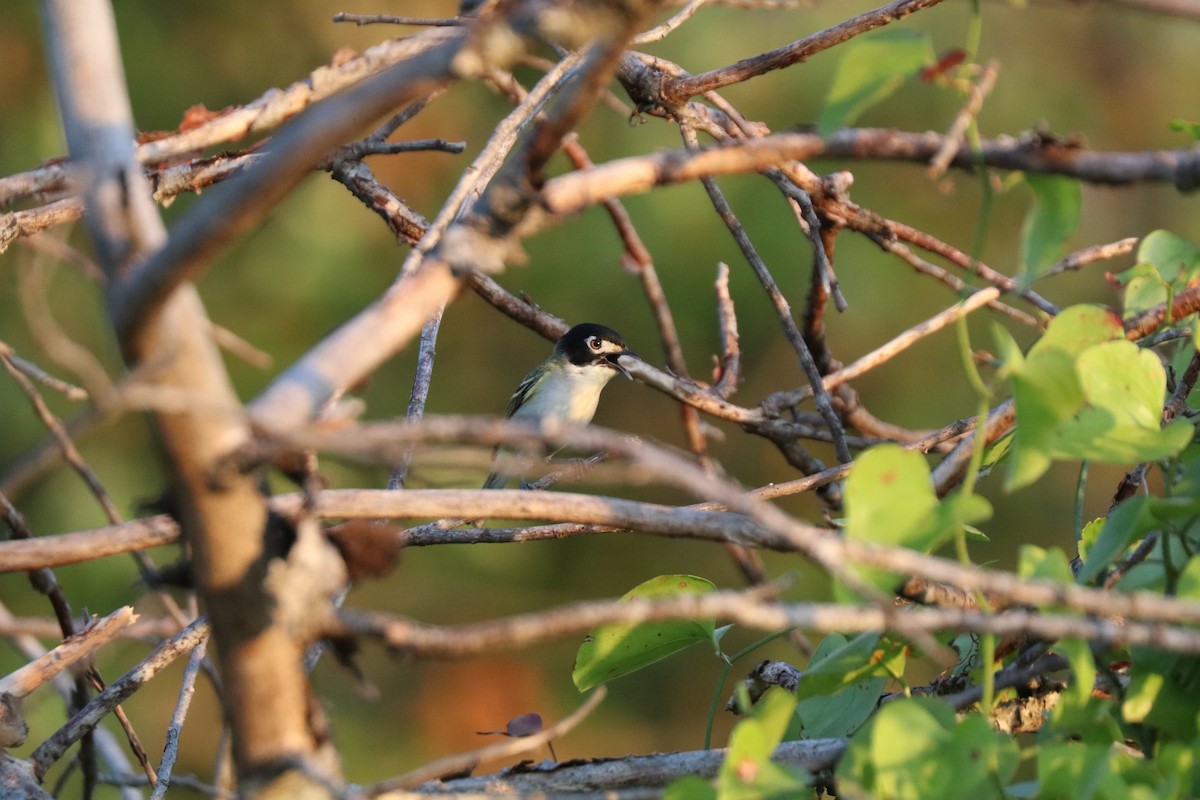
point(591, 343)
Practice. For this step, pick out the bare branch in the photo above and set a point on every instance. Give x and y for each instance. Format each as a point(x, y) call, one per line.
point(689, 86)
point(53, 748)
point(82, 645)
point(171, 749)
point(431, 641)
point(457, 764)
point(20, 555)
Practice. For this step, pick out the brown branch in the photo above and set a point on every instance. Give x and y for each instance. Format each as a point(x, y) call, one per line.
point(54, 747)
point(575, 191)
point(954, 137)
point(78, 647)
point(1183, 304)
point(235, 206)
point(410, 638)
point(728, 368)
point(407, 225)
point(1030, 152)
point(905, 254)
point(783, 309)
point(380, 442)
point(1090, 255)
point(955, 256)
point(450, 766)
point(20, 555)
point(610, 777)
point(187, 689)
point(681, 89)
point(267, 112)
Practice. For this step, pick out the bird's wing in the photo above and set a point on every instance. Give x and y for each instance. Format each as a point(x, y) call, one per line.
point(522, 392)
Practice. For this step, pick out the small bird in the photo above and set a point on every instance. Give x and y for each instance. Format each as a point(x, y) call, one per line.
point(567, 385)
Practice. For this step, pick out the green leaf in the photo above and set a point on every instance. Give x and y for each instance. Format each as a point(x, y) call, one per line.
point(890, 500)
point(914, 749)
point(748, 771)
point(843, 682)
point(1088, 536)
point(1164, 692)
point(872, 67)
point(1079, 714)
point(888, 495)
point(1083, 392)
point(1145, 288)
point(1128, 521)
point(1007, 351)
point(611, 651)
point(1046, 387)
point(690, 787)
point(1053, 217)
point(1071, 769)
point(1052, 564)
point(1124, 387)
point(1175, 258)
point(1190, 128)
point(1076, 329)
point(1187, 587)
point(1083, 670)
point(1167, 263)
point(839, 662)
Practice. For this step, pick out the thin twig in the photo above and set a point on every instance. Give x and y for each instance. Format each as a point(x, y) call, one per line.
point(979, 91)
point(390, 19)
point(905, 253)
point(76, 460)
point(83, 721)
point(690, 86)
point(783, 308)
point(908, 338)
point(660, 32)
point(1090, 255)
point(187, 688)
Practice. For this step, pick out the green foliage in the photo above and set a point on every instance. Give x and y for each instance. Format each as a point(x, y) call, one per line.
point(1053, 217)
point(1164, 693)
point(690, 787)
point(747, 773)
point(915, 748)
point(1171, 518)
point(1185, 126)
point(1083, 392)
point(1080, 713)
point(1071, 770)
point(611, 651)
point(1038, 562)
point(871, 69)
point(1132, 518)
point(1166, 263)
point(843, 683)
point(890, 500)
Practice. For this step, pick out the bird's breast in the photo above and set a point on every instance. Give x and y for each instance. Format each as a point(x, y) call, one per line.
point(571, 395)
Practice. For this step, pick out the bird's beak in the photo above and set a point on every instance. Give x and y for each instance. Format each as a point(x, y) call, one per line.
point(615, 361)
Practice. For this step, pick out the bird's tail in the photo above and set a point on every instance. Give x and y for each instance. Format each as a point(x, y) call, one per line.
point(497, 480)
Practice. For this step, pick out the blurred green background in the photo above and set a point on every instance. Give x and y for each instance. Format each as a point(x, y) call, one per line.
point(1113, 74)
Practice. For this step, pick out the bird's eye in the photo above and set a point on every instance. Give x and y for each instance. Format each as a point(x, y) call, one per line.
point(593, 342)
